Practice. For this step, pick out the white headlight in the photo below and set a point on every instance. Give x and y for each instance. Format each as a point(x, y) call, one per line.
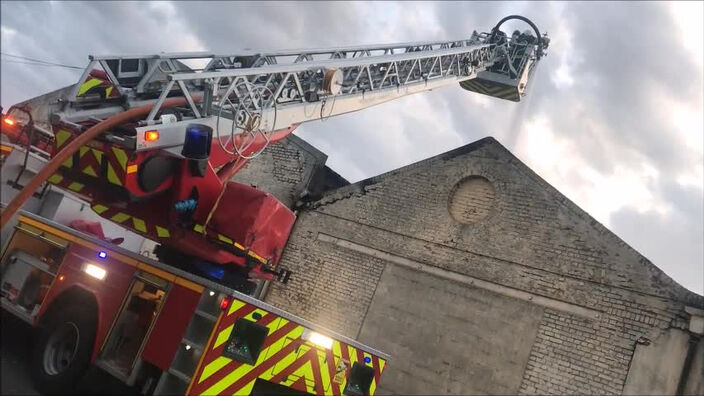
point(317, 339)
point(95, 271)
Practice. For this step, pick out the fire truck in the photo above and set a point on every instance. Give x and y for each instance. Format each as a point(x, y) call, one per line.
point(151, 143)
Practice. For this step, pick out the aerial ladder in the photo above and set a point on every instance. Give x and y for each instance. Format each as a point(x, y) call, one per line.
point(153, 141)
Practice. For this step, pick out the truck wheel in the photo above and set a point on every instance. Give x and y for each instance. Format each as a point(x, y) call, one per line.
point(64, 348)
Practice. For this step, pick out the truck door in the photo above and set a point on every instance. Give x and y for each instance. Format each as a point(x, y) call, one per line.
point(135, 320)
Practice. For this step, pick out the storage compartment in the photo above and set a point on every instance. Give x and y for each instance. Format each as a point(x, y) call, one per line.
point(171, 384)
point(29, 267)
point(187, 358)
point(210, 303)
point(133, 323)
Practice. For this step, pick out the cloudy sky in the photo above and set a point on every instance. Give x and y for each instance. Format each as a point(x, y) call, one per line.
point(613, 120)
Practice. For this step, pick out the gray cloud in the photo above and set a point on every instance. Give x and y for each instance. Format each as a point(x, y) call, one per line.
point(627, 63)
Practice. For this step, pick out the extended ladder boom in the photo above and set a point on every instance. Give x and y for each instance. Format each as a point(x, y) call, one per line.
point(270, 91)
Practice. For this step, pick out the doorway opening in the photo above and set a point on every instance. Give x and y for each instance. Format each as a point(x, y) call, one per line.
point(136, 318)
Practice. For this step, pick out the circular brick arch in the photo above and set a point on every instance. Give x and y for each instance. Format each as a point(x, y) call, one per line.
point(471, 199)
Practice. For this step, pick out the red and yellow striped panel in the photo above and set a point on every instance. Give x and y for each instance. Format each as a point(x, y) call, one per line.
point(136, 224)
point(92, 155)
point(285, 359)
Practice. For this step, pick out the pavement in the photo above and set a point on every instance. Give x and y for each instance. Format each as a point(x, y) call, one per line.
point(16, 343)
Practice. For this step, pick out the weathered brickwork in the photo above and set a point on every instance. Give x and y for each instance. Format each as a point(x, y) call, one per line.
point(471, 200)
point(284, 169)
point(531, 240)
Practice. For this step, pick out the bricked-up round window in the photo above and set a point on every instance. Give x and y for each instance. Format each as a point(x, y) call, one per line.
point(471, 199)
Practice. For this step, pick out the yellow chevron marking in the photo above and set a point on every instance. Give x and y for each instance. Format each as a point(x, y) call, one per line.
point(336, 349)
point(224, 238)
point(353, 355)
point(97, 154)
point(324, 372)
point(337, 352)
point(131, 169)
point(256, 256)
point(120, 217)
point(367, 355)
point(61, 137)
point(121, 156)
point(220, 362)
point(55, 178)
point(291, 357)
point(68, 163)
point(108, 91)
point(139, 224)
point(112, 176)
point(198, 228)
point(234, 306)
point(247, 389)
point(223, 336)
point(372, 387)
point(236, 374)
point(261, 312)
point(98, 208)
point(305, 371)
point(93, 82)
point(82, 151)
point(88, 170)
point(212, 367)
point(75, 186)
point(162, 232)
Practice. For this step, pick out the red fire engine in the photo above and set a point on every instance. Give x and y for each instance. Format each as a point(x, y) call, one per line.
point(152, 143)
point(163, 330)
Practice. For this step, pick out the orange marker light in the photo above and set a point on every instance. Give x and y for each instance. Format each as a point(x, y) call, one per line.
point(9, 121)
point(151, 136)
point(61, 278)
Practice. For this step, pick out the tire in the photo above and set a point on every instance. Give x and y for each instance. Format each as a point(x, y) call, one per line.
point(64, 348)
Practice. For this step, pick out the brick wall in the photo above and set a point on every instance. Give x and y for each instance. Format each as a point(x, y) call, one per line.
point(600, 297)
point(284, 169)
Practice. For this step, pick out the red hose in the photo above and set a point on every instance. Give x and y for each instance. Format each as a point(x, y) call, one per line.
point(72, 147)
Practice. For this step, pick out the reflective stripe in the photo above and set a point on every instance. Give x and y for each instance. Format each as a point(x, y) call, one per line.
point(223, 336)
point(224, 238)
point(93, 82)
point(68, 163)
point(139, 224)
point(55, 178)
point(98, 154)
point(235, 305)
point(198, 228)
point(112, 176)
point(121, 156)
point(61, 137)
point(108, 90)
point(98, 208)
point(256, 256)
point(88, 170)
point(162, 232)
point(214, 366)
point(75, 186)
point(120, 217)
point(131, 169)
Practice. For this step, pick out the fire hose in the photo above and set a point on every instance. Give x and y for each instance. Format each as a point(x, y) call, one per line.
point(72, 147)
